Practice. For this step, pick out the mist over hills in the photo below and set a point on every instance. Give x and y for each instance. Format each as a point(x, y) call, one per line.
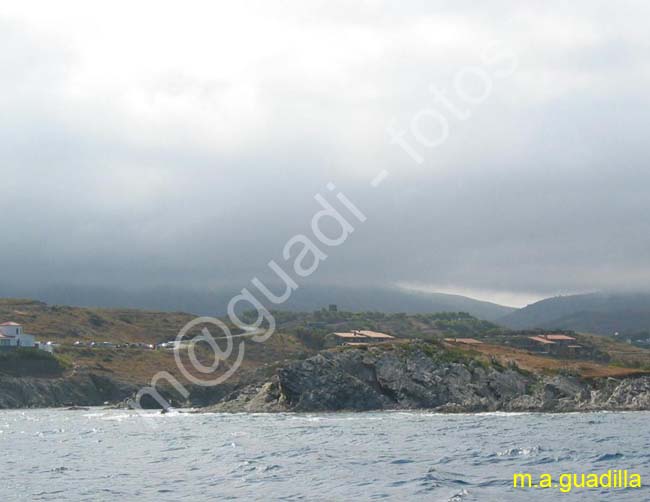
point(304, 299)
point(599, 313)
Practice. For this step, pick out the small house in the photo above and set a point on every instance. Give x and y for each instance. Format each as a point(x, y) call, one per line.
point(556, 344)
point(12, 335)
point(560, 339)
point(540, 343)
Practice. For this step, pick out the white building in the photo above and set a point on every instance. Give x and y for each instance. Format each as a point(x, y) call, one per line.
point(12, 335)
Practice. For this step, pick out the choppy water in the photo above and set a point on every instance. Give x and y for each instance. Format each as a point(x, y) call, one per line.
point(113, 455)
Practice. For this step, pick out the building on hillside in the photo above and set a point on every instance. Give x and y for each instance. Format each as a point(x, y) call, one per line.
point(540, 344)
point(558, 344)
point(562, 339)
point(12, 336)
point(360, 337)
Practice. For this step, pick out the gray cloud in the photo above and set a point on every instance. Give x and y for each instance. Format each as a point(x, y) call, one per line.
point(143, 161)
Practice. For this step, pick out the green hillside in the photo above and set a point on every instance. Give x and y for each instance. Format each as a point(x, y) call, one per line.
point(123, 338)
point(598, 313)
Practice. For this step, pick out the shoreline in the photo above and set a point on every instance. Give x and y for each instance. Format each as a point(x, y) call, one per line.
point(417, 411)
point(419, 376)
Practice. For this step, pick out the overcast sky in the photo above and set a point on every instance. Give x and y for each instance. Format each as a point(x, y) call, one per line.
point(149, 143)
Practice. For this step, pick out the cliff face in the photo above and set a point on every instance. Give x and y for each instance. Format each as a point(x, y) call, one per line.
point(419, 377)
point(80, 390)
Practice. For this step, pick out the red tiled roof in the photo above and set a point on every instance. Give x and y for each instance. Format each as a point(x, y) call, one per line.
point(541, 340)
point(347, 335)
point(374, 334)
point(10, 323)
point(559, 337)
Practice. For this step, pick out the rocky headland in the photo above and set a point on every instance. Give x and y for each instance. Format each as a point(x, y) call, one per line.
point(77, 390)
point(426, 376)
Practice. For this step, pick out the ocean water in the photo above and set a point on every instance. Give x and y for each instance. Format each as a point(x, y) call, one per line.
point(118, 455)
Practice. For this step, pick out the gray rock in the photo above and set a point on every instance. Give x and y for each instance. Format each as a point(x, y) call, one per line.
point(425, 376)
point(79, 390)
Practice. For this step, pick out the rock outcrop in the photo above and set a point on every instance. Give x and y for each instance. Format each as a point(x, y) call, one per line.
point(77, 390)
point(426, 376)
point(391, 377)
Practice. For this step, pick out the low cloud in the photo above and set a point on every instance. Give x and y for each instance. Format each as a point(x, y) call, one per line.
point(185, 146)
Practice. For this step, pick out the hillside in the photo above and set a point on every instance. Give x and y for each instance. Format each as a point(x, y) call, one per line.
point(598, 313)
point(63, 324)
point(127, 334)
point(392, 300)
point(427, 375)
point(306, 299)
point(68, 326)
point(312, 327)
point(297, 335)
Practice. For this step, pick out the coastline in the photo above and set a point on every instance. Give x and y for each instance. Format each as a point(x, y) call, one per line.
point(425, 377)
point(419, 376)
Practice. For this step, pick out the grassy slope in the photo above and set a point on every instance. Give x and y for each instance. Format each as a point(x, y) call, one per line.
point(610, 357)
point(63, 324)
point(399, 325)
point(598, 313)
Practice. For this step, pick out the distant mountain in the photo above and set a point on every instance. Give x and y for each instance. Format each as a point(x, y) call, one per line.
point(305, 299)
point(599, 313)
point(391, 300)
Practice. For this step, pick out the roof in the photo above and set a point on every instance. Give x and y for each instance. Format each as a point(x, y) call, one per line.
point(346, 335)
point(2, 335)
point(375, 334)
point(468, 341)
point(356, 344)
point(541, 340)
point(10, 323)
point(560, 338)
point(364, 334)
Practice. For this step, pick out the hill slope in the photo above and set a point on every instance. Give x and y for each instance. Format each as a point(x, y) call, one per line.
point(87, 374)
point(599, 313)
point(392, 300)
point(426, 375)
point(63, 324)
point(304, 299)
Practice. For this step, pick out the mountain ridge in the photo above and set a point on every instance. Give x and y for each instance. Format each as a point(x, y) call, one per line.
point(304, 299)
point(600, 313)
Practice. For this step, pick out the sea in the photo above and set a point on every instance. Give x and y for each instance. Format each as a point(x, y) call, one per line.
point(97, 454)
